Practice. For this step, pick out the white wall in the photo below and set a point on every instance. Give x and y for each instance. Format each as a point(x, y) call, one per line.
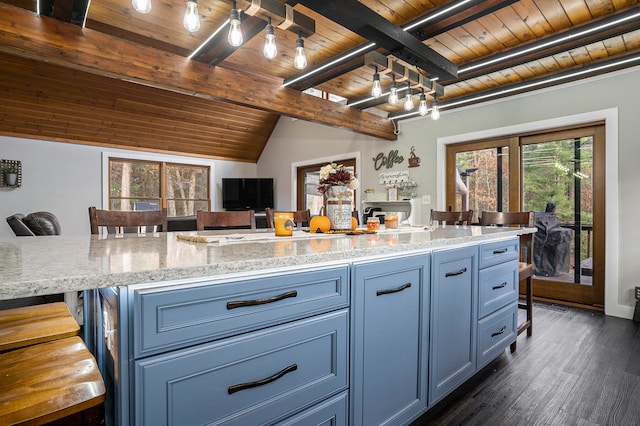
point(295, 141)
point(66, 179)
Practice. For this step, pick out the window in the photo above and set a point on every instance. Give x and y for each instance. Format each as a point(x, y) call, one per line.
point(150, 185)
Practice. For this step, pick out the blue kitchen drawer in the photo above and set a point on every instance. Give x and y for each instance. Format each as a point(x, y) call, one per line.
point(498, 287)
point(168, 318)
point(300, 364)
point(498, 252)
point(496, 332)
point(332, 412)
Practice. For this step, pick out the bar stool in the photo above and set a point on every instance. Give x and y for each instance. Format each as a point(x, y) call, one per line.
point(51, 381)
point(30, 325)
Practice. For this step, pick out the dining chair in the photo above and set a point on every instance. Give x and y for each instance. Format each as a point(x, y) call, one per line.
point(116, 221)
point(451, 218)
point(525, 264)
point(245, 219)
point(299, 217)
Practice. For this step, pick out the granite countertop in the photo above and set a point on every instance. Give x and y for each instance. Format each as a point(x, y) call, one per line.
point(31, 266)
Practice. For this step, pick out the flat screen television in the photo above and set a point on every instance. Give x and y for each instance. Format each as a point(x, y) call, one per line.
point(247, 193)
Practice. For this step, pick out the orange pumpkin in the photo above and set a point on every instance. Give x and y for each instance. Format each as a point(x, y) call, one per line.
point(319, 223)
point(354, 223)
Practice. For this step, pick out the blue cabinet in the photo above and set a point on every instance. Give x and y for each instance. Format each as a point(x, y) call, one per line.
point(390, 320)
point(454, 296)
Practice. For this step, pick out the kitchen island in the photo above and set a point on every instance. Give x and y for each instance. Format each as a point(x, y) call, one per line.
point(249, 328)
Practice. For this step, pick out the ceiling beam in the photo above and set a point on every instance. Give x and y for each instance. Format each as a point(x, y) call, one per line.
point(22, 33)
point(365, 22)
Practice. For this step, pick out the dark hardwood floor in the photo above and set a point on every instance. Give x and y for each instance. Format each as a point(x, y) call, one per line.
point(578, 368)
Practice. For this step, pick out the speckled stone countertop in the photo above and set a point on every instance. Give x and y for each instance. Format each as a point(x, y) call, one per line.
point(32, 266)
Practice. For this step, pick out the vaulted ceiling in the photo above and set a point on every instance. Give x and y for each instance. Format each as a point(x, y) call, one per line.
point(466, 51)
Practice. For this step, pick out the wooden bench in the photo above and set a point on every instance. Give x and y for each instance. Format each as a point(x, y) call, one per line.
point(51, 381)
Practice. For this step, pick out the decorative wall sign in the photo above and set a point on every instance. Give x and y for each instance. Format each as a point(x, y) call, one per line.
point(414, 161)
point(387, 160)
point(386, 178)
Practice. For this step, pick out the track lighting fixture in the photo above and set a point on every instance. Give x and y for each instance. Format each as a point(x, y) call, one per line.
point(270, 49)
point(408, 100)
point(142, 6)
point(435, 110)
point(393, 91)
point(300, 59)
point(191, 19)
point(423, 109)
point(235, 32)
point(376, 89)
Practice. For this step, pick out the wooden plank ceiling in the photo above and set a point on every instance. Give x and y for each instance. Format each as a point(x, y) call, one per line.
point(116, 77)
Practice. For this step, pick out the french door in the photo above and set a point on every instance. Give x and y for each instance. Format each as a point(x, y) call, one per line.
point(558, 174)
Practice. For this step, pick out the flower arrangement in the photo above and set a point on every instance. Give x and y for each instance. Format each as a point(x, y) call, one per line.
point(336, 174)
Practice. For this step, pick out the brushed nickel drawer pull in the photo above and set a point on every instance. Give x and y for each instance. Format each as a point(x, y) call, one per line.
point(497, 333)
point(453, 274)
point(504, 250)
point(393, 290)
point(241, 303)
point(243, 386)
point(503, 285)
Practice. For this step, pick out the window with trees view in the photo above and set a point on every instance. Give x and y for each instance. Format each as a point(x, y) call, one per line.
point(151, 185)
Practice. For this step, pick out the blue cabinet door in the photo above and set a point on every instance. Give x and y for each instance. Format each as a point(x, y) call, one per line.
point(454, 295)
point(390, 313)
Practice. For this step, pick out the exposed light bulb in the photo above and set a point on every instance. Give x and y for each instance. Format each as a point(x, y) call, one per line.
point(376, 89)
point(300, 59)
point(435, 110)
point(393, 92)
point(235, 32)
point(191, 19)
point(423, 108)
point(142, 6)
point(270, 49)
point(408, 100)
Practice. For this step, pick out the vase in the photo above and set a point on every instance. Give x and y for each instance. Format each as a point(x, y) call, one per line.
point(339, 207)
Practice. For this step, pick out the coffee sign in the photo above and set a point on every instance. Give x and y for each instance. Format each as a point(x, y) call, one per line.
point(387, 160)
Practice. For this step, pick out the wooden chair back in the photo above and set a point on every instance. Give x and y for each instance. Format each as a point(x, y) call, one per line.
point(525, 219)
point(116, 221)
point(299, 217)
point(245, 219)
point(451, 218)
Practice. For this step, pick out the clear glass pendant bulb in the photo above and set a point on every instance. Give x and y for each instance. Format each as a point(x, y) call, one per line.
point(270, 49)
point(376, 89)
point(435, 111)
point(408, 102)
point(300, 59)
point(191, 19)
point(423, 108)
point(142, 6)
point(235, 32)
point(393, 96)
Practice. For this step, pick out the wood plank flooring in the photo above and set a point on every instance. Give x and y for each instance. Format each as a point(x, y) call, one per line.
point(578, 368)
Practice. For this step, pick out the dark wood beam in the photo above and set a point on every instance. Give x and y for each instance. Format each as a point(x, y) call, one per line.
point(218, 49)
point(24, 34)
point(363, 21)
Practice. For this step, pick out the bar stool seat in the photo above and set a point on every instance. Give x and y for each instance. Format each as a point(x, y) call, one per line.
point(30, 325)
point(51, 381)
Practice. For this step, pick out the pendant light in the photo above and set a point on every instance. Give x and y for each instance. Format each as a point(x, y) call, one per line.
point(376, 89)
point(435, 110)
point(270, 49)
point(142, 6)
point(191, 19)
point(235, 32)
point(408, 100)
point(423, 109)
point(300, 59)
point(393, 91)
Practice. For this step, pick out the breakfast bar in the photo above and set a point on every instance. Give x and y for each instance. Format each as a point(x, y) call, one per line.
point(220, 326)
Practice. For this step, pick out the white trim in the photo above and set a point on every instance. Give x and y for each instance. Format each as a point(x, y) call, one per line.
point(612, 273)
point(294, 170)
point(151, 156)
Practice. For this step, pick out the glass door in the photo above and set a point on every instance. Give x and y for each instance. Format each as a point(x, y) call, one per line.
point(560, 176)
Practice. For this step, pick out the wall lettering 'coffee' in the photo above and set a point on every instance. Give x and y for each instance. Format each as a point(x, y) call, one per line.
point(387, 160)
